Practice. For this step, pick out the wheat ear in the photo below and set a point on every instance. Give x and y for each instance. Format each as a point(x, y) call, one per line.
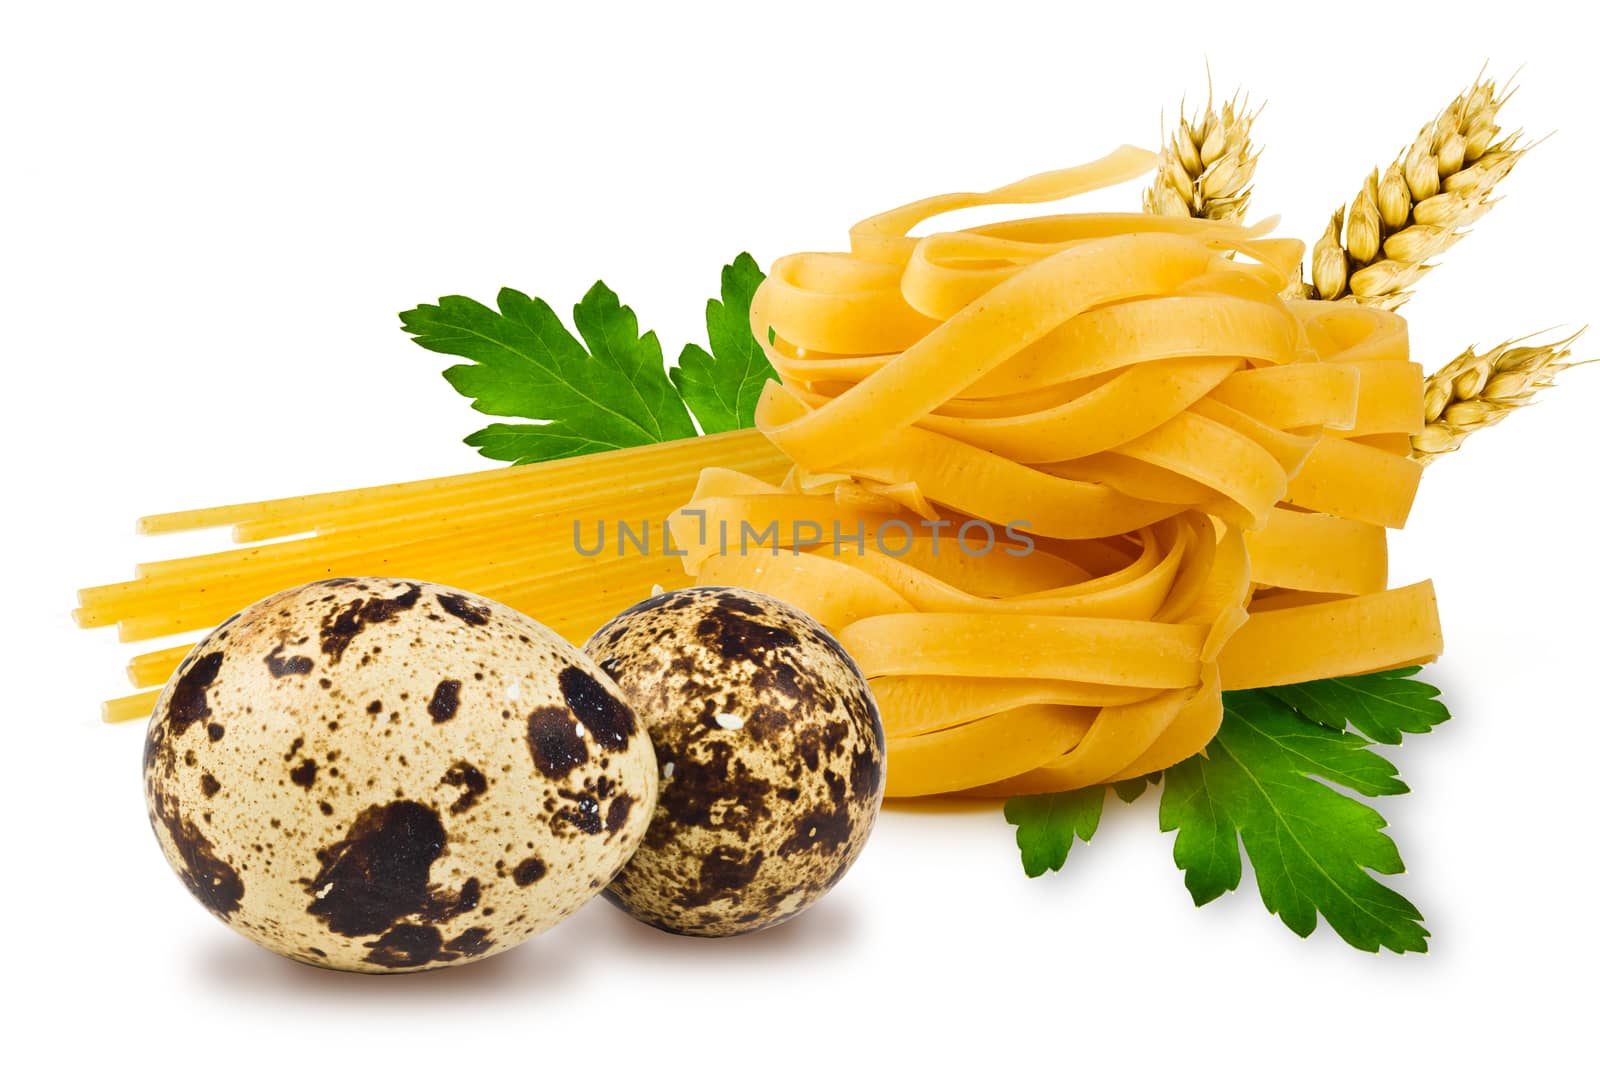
point(1206, 166)
point(1375, 249)
point(1476, 390)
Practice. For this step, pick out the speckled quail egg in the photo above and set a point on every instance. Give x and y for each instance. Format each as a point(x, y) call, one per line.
point(381, 775)
point(771, 756)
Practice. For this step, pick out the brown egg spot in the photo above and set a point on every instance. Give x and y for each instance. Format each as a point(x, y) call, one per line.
point(472, 942)
point(822, 828)
point(378, 873)
point(731, 601)
point(553, 739)
point(471, 612)
point(470, 781)
point(443, 905)
point(188, 704)
point(738, 637)
point(866, 774)
point(279, 666)
point(410, 945)
point(612, 722)
point(445, 700)
point(339, 628)
point(212, 881)
point(617, 813)
point(723, 872)
point(305, 775)
point(711, 782)
point(529, 871)
point(583, 814)
point(407, 945)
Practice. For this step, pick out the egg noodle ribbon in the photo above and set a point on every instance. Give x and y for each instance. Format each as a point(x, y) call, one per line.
point(1057, 482)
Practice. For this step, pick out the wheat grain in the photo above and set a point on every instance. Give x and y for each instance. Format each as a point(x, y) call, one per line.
point(1206, 166)
point(1476, 390)
point(1378, 246)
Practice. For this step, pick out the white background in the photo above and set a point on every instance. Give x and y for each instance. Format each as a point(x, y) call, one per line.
point(211, 216)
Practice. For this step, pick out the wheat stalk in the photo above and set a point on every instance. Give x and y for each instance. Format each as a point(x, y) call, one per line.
point(1476, 390)
point(1377, 247)
point(1205, 168)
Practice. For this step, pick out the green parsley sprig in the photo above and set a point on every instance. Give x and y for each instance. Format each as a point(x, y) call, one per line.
point(605, 388)
point(1267, 779)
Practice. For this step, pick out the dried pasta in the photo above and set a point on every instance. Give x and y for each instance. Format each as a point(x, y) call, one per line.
point(1180, 443)
point(1180, 483)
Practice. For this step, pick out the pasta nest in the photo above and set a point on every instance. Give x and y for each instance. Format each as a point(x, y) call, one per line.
point(1058, 481)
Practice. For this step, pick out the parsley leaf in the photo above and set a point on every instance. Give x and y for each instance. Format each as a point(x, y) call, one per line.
point(524, 362)
point(1382, 706)
point(1267, 779)
point(1048, 823)
point(1313, 849)
point(1133, 788)
point(605, 388)
point(723, 385)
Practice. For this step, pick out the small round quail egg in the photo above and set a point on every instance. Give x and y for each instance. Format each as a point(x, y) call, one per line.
point(381, 775)
point(771, 757)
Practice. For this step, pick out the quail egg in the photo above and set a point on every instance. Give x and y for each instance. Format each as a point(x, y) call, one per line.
point(374, 774)
point(771, 758)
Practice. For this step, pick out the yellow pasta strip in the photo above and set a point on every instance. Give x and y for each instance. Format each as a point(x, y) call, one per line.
point(1116, 738)
point(1287, 449)
point(133, 706)
point(154, 668)
point(1390, 398)
point(1143, 332)
point(839, 304)
point(1223, 585)
point(1276, 258)
point(1344, 331)
point(489, 579)
point(1396, 444)
point(1102, 651)
point(923, 704)
point(1137, 593)
point(979, 338)
point(1133, 477)
point(1266, 599)
point(1356, 481)
point(975, 482)
point(665, 477)
point(556, 477)
point(1217, 457)
point(1195, 724)
point(882, 237)
point(750, 450)
point(1352, 635)
point(1130, 404)
point(1296, 395)
point(986, 750)
point(548, 529)
point(763, 523)
point(828, 590)
point(1010, 569)
point(1321, 553)
point(444, 550)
